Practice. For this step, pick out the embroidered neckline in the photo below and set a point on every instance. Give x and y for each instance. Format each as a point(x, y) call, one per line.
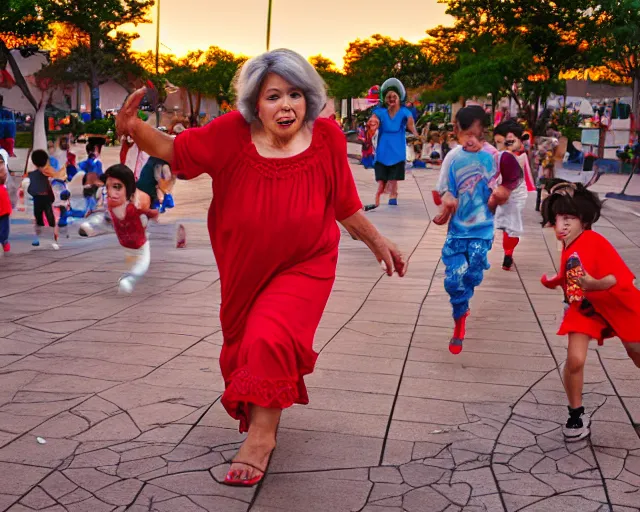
point(285, 167)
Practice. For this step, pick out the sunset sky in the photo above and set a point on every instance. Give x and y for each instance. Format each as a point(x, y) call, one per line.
point(307, 26)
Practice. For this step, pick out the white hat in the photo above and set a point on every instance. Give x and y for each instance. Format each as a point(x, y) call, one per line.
point(393, 84)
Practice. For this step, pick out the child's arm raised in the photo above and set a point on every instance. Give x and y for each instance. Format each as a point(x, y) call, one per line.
point(551, 282)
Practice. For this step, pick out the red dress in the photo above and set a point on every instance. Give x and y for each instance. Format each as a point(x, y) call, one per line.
point(129, 230)
point(272, 224)
point(608, 313)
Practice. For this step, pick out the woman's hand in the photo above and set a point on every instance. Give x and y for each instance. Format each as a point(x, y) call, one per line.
point(127, 118)
point(388, 255)
point(148, 139)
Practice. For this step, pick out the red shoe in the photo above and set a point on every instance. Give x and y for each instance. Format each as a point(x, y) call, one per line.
point(459, 331)
point(6, 247)
point(455, 346)
point(232, 479)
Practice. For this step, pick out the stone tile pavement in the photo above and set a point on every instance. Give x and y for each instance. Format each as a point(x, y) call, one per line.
point(125, 390)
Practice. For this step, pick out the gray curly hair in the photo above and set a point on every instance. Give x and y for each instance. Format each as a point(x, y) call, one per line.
point(293, 68)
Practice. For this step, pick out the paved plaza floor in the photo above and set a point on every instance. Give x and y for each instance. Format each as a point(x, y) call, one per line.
point(111, 403)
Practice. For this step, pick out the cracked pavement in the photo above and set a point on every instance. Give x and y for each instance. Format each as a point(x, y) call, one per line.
point(124, 390)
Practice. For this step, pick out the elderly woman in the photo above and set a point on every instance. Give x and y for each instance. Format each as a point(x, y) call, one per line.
point(280, 180)
point(391, 152)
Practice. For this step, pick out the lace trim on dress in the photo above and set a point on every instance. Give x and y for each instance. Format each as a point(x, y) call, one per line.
point(245, 388)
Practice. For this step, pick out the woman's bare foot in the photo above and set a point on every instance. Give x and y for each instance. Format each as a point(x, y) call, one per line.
point(252, 459)
point(255, 453)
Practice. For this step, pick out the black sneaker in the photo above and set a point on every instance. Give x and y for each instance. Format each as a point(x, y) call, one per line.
point(507, 263)
point(577, 426)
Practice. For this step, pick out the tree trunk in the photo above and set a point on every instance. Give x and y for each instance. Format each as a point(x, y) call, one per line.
point(94, 85)
point(17, 75)
point(197, 112)
point(39, 130)
point(192, 120)
point(636, 102)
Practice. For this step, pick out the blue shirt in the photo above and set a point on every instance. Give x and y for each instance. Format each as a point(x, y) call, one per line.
point(54, 163)
point(392, 141)
point(91, 165)
point(471, 178)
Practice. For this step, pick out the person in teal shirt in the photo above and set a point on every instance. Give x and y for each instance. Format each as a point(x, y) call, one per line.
point(391, 152)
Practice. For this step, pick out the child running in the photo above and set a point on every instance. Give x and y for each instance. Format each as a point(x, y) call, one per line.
point(509, 136)
point(602, 300)
point(5, 205)
point(369, 141)
point(43, 197)
point(470, 194)
point(129, 223)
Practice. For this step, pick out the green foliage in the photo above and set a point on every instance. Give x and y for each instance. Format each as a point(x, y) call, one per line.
point(107, 54)
point(24, 140)
point(566, 122)
point(495, 46)
point(113, 61)
point(363, 115)
point(615, 37)
point(371, 61)
point(433, 120)
point(23, 18)
point(209, 73)
point(337, 82)
point(100, 126)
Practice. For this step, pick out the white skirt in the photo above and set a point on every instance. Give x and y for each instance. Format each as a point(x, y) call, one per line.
point(509, 215)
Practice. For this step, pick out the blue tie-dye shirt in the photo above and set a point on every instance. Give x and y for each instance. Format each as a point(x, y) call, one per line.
point(470, 177)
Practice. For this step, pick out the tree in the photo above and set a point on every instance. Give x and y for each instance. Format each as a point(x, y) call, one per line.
point(547, 33)
point(371, 61)
point(615, 40)
point(113, 61)
point(204, 74)
point(21, 25)
point(334, 78)
point(98, 20)
point(492, 70)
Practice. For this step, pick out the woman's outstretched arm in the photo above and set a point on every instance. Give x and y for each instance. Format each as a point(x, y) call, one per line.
point(151, 141)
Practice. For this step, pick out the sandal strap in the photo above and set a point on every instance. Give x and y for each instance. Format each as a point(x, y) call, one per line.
point(248, 464)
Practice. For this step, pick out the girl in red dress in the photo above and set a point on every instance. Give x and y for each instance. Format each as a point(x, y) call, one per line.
point(599, 289)
point(129, 223)
point(280, 179)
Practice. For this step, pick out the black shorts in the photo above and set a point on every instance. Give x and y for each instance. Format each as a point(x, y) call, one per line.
point(393, 172)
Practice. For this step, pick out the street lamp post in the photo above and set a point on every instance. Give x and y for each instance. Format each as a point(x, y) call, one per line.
point(158, 60)
point(268, 25)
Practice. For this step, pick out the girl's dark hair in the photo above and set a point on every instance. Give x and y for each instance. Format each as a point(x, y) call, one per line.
point(510, 126)
point(571, 199)
point(125, 175)
point(466, 116)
